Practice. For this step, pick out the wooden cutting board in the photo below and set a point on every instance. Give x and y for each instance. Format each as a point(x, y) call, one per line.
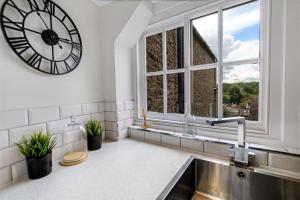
point(73, 158)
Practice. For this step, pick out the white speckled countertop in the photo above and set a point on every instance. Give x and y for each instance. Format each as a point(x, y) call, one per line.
point(121, 170)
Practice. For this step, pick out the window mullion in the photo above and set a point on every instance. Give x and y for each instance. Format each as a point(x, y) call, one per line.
point(165, 89)
point(220, 64)
point(187, 64)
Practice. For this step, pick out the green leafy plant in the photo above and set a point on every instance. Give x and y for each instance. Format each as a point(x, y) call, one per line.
point(37, 145)
point(93, 127)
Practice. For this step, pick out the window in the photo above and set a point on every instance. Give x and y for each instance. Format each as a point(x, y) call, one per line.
point(165, 72)
point(221, 76)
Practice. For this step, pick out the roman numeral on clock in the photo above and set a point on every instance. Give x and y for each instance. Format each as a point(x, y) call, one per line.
point(68, 68)
point(75, 57)
point(54, 68)
point(20, 44)
point(35, 60)
point(8, 23)
point(33, 5)
point(73, 32)
point(12, 4)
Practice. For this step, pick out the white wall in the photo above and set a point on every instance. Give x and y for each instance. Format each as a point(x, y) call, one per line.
point(23, 87)
point(292, 74)
point(111, 20)
point(124, 44)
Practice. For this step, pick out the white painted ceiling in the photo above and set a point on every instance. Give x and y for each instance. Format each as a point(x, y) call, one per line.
point(158, 5)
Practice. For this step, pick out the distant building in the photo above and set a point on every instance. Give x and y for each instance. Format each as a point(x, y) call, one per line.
point(203, 82)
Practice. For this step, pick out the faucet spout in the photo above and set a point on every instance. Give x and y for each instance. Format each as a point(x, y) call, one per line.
point(239, 154)
point(241, 127)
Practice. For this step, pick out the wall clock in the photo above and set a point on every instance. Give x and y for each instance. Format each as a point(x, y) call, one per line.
point(42, 35)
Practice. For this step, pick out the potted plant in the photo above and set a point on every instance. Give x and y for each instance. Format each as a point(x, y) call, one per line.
point(37, 149)
point(94, 131)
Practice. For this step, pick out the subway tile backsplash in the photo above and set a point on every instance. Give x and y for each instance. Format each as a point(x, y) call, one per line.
point(15, 124)
point(39, 115)
point(13, 119)
point(67, 111)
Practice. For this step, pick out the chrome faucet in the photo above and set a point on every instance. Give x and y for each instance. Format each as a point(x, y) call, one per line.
point(239, 154)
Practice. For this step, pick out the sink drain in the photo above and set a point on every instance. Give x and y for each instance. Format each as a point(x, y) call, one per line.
point(241, 175)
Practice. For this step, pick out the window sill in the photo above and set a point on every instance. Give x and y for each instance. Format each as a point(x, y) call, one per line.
point(175, 125)
point(222, 141)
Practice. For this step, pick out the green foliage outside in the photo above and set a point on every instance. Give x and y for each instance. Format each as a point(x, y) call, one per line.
point(241, 93)
point(37, 145)
point(93, 127)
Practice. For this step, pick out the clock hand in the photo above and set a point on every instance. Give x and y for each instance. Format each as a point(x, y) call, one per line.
point(33, 31)
point(38, 13)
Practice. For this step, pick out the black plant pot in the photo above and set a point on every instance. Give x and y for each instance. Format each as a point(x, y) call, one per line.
point(39, 167)
point(94, 142)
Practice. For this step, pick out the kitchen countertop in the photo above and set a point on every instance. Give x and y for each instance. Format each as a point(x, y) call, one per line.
point(126, 169)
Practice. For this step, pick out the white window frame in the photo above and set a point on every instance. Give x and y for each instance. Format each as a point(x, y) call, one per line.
point(185, 20)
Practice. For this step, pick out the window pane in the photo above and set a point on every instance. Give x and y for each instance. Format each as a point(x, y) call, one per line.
point(241, 91)
point(204, 93)
point(241, 32)
point(154, 50)
point(175, 93)
point(155, 93)
point(204, 41)
point(175, 48)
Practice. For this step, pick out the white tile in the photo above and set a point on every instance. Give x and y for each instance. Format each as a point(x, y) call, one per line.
point(195, 145)
point(112, 135)
point(103, 135)
point(217, 149)
point(108, 126)
point(170, 140)
point(90, 108)
point(132, 114)
point(58, 153)
point(281, 161)
point(19, 170)
point(13, 119)
point(123, 115)
point(58, 127)
point(101, 107)
point(118, 125)
point(129, 105)
point(17, 134)
point(123, 134)
point(9, 156)
point(137, 134)
point(153, 137)
point(110, 116)
point(108, 106)
point(117, 107)
point(59, 140)
point(4, 142)
point(128, 122)
point(5, 176)
point(261, 157)
point(99, 116)
point(83, 119)
point(38, 115)
point(68, 111)
point(72, 136)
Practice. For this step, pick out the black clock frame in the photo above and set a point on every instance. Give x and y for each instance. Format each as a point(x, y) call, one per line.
point(36, 57)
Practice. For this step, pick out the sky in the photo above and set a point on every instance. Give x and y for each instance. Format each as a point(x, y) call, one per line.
point(240, 39)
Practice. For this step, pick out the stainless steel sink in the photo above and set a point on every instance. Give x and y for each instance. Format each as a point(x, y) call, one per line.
point(205, 180)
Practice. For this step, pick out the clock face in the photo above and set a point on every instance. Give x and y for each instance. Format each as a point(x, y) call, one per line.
point(42, 35)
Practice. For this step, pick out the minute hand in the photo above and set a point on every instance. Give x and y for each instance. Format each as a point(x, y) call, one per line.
point(38, 13)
